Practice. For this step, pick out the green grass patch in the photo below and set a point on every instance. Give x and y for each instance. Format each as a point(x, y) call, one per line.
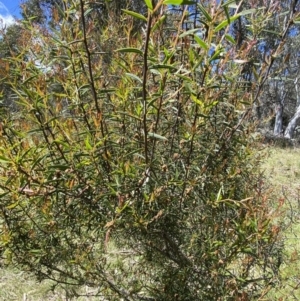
point(282, 170)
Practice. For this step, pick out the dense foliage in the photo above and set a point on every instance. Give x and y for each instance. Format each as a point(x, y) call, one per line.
point(128, 162)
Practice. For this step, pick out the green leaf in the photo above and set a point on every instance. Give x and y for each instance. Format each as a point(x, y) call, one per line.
point(3, 193)
point(201, 43)
point(83, 87)
point(12, 206)
point(154, 135)
point(186, 33)
point(61, 142)
point(151, 103)
point(205, 13)
point(247, 12)
point(35, 131)
point(275, 32)
point(231, 19)
point(134, 14)
point(36, 251)
point(133, 50)
point(133, 76)
point(168, 55)
point(178, 2)
point(228, 3)
point(197, 101)
point(158, 23)
point(230, 39)
point(154, 71)
point(216, 54)
point(88, 144)
point(256, 75)
point(226, 12)
point(183, 77)
point(226, 22)
point(4, 159)
point(245, 103)
point(219, 196)
point(86, 13)
point(163, 66)
point(107, 90)
point(37, 161)
point(248, 251)
point(149, 4)
point(59, 167)
point(189, 88)
point(59, 9)
point(28, 80)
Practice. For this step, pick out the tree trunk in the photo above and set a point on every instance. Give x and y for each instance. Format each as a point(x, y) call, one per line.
point(278, 119)
point(289, 132)
point(280, 95)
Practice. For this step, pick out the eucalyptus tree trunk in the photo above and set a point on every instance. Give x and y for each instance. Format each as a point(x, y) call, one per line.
point(281, 95)
point(278, 119)
point(290, 130)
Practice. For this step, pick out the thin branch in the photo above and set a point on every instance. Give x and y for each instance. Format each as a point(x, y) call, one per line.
point(91, 80)
point(90, 69)
point(144, 88)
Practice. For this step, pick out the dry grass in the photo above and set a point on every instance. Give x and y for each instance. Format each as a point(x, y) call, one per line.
point(282, 169)
point(17, 285)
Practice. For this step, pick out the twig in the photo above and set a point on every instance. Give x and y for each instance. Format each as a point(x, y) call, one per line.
point(144, 89)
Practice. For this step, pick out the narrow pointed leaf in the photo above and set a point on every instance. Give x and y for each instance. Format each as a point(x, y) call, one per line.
point(188, 32)
point(134, 14)
point(158, 23)
point(12, 206)
point(88, 11)
point(226, 12)
point(228, 3)
point(205, 13)
point(154, 135)
point(4, 159)
point(247, 12)
point(149, 4)
point(230, 39)
point(163, 66)
point(88, 144)
point(226, 22)
point(201, 43)
point(133, 76)
point(178, 2)
point(133, 50)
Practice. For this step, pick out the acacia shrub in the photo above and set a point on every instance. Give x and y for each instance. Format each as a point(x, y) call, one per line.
point(142, 181)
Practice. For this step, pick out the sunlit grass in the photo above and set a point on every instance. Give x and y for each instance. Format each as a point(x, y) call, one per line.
point(17, 285)
point(282, 170)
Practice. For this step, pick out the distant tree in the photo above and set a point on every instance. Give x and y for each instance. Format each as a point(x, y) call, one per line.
point(43, 11)
point(276, 104)
point(10, 46)
point(40, 11)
